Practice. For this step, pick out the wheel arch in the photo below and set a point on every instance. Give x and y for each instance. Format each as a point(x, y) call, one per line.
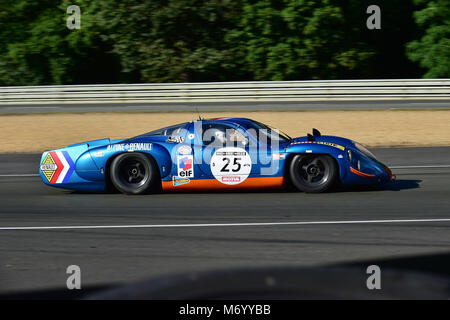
point(292, 156)
point(336, 152)
point(109, 185)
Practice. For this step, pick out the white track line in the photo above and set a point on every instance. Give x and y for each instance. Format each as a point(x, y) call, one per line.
point(393, 167)
point(20, 175)
point(430, 166)
point(245, 224)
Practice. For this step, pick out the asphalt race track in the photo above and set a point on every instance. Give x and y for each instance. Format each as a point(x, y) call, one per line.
point(204, 231)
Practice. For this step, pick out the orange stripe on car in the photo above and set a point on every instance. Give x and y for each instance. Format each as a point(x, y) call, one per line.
point(213, 184)
point(362, 174)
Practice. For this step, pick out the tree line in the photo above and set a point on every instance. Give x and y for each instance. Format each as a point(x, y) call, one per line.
point(132, 41)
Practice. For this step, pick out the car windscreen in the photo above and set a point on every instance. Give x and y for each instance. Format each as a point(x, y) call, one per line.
point(266, 133)
point(176, 130)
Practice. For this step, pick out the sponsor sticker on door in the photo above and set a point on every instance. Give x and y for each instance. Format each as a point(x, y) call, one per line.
point(185, 166)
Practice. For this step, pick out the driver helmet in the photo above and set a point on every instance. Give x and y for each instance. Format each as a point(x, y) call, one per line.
point(219, 135)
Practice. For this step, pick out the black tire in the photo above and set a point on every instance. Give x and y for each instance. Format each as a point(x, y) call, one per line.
point(313, 173)
point(132, 173)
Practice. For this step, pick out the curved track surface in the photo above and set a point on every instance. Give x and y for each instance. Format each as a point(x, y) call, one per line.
point(38, 258)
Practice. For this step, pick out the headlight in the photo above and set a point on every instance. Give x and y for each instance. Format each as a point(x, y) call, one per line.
point(364, 150)
point(353, 159)
point(349, 155)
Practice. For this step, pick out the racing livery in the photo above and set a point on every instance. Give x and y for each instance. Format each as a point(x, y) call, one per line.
point(212, 154)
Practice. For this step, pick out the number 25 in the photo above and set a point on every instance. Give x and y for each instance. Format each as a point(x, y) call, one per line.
point(235, 163)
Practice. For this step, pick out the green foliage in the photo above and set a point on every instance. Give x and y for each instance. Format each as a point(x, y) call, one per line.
point(170, 41)
point(38, 48)
point(218, 40)
point(432, 51)
point(296, 39)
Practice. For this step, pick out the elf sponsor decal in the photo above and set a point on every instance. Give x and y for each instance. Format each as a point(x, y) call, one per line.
point(178, 181)
point(129, 147)
point(334, 145)
point(184, 149)
point(57, 167)
point(185, 166)
point(231, 165)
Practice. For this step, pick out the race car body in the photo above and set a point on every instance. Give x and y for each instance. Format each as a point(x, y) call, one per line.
point(213, 154)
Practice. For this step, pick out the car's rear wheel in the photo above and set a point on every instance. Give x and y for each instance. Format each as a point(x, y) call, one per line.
point(132, 173)
point(313, 173)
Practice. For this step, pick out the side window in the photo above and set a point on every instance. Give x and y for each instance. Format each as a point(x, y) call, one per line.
point(220, 135)
point(178, 130)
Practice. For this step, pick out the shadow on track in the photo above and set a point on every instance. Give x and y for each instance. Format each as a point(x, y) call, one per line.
point(398, 185)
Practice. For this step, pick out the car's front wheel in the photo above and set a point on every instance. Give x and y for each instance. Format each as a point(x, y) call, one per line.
point(132, 173)
point(313, 173)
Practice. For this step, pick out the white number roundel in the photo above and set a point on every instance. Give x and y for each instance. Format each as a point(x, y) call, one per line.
point(231, 165)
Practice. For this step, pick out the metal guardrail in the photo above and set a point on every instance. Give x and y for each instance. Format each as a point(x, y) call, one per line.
point(263, 91)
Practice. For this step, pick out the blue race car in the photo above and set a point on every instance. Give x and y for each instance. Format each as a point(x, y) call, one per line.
point(212, 154)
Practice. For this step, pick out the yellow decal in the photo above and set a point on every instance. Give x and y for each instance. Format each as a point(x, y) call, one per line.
point(332, 145)
point(180, 181)
point(48, 167)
